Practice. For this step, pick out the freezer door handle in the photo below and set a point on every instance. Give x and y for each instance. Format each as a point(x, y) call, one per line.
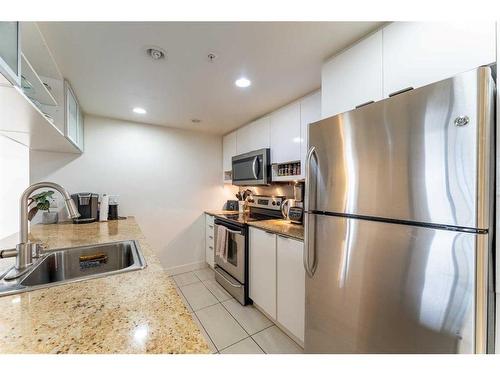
point(308, 238)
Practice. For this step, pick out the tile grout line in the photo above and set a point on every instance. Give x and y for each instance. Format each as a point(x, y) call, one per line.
point(249, 335)
point(229, 312)
point(193, 312)
point(236, 320)
point(209, 337)
point(244, 330)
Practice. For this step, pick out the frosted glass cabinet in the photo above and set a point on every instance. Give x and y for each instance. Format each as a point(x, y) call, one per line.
point(10, 52)
point(73, 129)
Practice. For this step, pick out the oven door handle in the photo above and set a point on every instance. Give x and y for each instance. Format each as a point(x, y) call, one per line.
point(233, 231)
point(228, 281)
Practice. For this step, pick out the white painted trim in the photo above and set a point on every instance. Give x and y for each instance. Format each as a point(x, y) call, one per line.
point(185, 268)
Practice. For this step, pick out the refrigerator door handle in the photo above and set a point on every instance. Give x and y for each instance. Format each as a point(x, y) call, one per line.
point(307, 227)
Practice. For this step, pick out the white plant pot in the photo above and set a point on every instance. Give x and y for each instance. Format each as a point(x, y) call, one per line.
point(241, 206)
point(50, 217)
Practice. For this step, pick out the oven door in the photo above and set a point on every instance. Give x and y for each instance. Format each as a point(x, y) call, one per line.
point(235, 264)
point(251, 168)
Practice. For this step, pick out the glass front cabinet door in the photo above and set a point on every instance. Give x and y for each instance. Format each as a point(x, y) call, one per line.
point(10, 52)
point(74, 118)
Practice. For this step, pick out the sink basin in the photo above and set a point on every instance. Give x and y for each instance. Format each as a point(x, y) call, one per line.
point(67, 265)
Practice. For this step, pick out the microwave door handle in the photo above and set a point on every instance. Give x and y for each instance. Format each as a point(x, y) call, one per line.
point(307, 227)
point(254, 167)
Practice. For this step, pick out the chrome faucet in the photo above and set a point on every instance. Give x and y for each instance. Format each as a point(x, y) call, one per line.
point(25, 250)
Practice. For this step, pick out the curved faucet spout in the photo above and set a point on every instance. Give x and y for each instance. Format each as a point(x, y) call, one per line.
point(23, 217)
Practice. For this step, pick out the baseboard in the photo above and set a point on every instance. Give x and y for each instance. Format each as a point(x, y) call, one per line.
point(185, 268)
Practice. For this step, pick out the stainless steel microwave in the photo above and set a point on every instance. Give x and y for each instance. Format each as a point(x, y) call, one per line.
point(252, 168)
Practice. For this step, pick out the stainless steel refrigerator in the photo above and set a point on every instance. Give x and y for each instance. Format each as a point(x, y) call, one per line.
point(398, 223)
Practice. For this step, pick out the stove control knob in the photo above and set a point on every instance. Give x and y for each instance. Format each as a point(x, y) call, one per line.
point(274, 203)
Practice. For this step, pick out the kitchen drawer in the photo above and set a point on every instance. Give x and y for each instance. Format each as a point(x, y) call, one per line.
point(209, 219)
point(209, 240)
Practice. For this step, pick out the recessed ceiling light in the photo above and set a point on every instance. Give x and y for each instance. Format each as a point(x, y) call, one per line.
point(156, 53)
point(195, 120)
point(242, 82)
point(139, 110)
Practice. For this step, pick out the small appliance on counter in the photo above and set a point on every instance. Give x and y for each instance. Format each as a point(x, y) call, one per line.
point(293, 209)
point(113, 207)
point(87, 207)
point(232, 205)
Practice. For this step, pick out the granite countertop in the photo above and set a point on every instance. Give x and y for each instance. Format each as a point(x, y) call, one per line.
point(133, 312)
point(281, 226)
point(278, 226)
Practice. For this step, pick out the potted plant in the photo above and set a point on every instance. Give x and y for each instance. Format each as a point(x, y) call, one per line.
point(41, 202)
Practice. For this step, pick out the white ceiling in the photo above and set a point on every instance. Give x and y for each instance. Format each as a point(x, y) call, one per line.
point(110, 72)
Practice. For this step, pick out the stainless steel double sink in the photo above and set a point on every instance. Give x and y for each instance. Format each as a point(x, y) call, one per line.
point(72, 264)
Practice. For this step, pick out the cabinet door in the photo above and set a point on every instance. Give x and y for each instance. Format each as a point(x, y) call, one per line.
point(285, 134)
point(253, 136)
point(71, 115)
point(10, 52)
point(419, 53)
point(310, 111)
point(291, 285)
point(80, 129)
point(262, 268)
point(353, 77)
point(228, 150)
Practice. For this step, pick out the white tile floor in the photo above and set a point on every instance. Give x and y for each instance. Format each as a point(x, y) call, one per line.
point(229, 327)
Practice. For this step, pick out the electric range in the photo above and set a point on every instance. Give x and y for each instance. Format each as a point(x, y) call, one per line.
point(231, 271)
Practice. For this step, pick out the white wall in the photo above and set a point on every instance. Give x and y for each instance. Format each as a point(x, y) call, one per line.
point(165, 177)
point(14, 179)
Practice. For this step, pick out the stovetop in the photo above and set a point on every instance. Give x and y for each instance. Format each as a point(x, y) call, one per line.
point(247, 217)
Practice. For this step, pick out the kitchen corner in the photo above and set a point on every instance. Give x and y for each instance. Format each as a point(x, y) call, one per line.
point(134, 312)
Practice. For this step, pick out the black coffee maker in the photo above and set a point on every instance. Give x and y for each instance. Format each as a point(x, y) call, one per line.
point(87, 204)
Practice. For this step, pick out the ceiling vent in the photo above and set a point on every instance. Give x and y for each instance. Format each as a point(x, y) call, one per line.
point(156, 53)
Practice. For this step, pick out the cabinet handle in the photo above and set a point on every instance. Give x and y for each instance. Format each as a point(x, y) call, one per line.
point(211, 247)
point(211, 226)
point(211, 237)
point(363, 104)
point(400, 91)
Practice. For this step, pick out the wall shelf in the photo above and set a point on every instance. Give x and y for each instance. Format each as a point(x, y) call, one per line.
point(23, 122)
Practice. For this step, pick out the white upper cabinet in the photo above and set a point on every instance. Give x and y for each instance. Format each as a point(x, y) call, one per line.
point(419, 53)
point(353, 77)
point(228, 151)
point(310, 111)
point(253, 136)
point(10, 58)
point(285, 134)
point(74, 118)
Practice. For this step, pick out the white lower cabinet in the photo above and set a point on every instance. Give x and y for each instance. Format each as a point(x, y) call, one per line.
point(262, 269)
point(291, 293)
point(209, 240)
point(277, 279)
